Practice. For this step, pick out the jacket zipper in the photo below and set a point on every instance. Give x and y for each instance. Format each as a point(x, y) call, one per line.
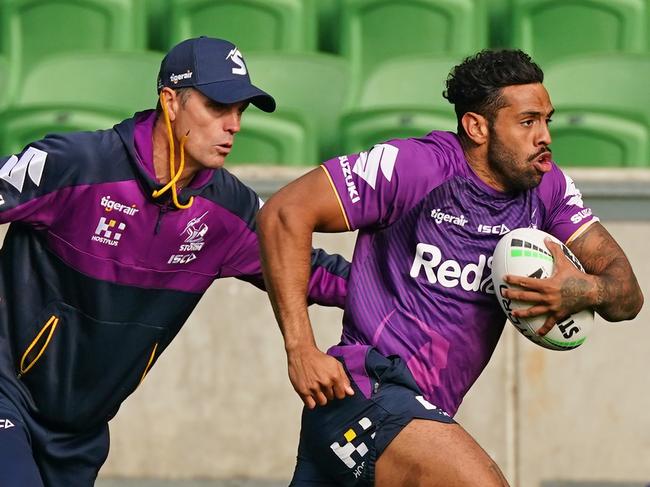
point(163, 209)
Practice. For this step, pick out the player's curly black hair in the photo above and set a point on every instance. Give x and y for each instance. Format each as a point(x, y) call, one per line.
point(475, 84)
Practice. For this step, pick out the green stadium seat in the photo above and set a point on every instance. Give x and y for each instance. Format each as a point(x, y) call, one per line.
point(602, 107)
point(500, 20)
point(4, 81)
point(253, 25)
point(551, 29)
point(274, 139)
point(313, 85)
point(374, 31)
point(121, 81)
point(157, 12)
point(21, 125)
point(31, 30)
point(84, 91)
point(328, 15)
point(402, 98)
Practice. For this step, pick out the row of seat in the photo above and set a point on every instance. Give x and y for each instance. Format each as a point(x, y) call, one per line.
point(602, 103)
point(367, 32)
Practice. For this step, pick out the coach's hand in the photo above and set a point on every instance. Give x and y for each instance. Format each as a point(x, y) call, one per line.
point(317, 377)
point(567, 291)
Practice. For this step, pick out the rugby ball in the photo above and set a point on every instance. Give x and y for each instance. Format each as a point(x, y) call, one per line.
point(522, 252)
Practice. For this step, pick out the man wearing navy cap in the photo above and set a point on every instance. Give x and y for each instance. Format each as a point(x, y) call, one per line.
point(115, 236)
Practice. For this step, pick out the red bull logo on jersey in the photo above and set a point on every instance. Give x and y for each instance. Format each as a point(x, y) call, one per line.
point(474, 277)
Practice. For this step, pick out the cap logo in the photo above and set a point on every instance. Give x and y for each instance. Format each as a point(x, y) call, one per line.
point(235, 56)
point(175, 78)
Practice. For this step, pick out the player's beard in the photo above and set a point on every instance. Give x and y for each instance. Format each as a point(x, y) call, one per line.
point(515, 175)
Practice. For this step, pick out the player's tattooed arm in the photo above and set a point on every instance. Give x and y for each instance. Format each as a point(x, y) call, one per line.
point(616, 294)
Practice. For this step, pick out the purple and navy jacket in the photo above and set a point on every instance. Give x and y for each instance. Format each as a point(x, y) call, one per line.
point(420, 285)
point(97, 276)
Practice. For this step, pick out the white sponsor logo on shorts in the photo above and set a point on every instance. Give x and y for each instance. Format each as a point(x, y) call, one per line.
point(430, 407)
point(6, 424)
point(345, 451)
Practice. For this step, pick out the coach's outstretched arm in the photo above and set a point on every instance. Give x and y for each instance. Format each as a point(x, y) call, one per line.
point(285, 226)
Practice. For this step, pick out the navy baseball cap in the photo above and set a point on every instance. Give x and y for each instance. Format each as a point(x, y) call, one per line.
point(216, 68)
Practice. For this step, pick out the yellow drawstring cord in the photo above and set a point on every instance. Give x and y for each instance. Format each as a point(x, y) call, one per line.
point(175, 176)
point(51, 325)
point(151, 357)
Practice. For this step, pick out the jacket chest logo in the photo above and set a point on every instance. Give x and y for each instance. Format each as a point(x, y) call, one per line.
point(194, 233)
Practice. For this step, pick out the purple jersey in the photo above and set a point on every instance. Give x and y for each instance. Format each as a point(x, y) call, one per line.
point(420, 283)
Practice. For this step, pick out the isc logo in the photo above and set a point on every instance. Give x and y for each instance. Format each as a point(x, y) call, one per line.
point(6, 424)
point(493, 229)
point(181, 258)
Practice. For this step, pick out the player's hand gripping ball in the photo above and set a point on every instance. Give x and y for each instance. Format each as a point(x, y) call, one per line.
point(522, 252)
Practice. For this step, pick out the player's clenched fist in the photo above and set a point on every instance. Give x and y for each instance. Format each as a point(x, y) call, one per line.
point(317, 377)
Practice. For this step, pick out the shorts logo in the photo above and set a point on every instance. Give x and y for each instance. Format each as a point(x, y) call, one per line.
point(345, 451)
point(6, 424)
point(107, 232)
point(430, 407)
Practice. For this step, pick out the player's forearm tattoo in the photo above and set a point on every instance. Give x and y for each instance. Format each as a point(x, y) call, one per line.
point(574, 292)
point(618, 296)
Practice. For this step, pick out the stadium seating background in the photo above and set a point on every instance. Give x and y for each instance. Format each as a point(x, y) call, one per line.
point(334, 66)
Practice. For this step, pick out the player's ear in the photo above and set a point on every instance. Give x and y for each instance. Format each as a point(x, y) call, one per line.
point(476, 127)
point(172, 102)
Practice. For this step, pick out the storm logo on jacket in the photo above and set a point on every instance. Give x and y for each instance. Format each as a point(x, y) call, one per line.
point(108, 232)
point(195, 233)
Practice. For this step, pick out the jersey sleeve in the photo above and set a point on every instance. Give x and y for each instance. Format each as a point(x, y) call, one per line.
point(566, 216)
point(30, 183)
point(376, 187)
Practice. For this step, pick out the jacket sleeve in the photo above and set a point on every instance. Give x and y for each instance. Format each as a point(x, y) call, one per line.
point(31, 182)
